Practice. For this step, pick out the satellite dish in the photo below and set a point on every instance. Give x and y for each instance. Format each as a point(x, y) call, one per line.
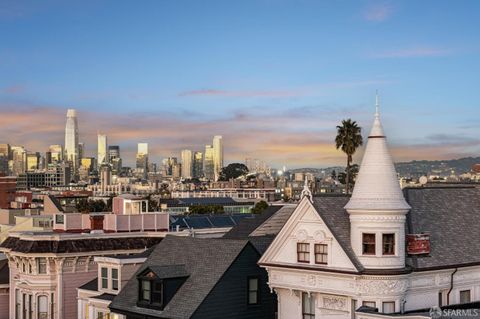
point(423, 180)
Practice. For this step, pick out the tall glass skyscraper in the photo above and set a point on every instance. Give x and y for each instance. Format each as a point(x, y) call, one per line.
point(142, 160)
point(187, 168)
point(217, 155)
point(102, 150)
point(208, 167)
point(71, 139)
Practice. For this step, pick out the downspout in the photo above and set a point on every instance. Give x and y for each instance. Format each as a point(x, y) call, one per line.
point(451, 285)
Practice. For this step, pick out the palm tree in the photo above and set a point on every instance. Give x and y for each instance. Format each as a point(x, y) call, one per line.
point(348, 138)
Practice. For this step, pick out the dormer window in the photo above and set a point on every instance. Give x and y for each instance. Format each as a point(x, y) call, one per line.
point(158, 284)
point(368, 244)
point(388, 241)
point(303, 252)
point(114, 279)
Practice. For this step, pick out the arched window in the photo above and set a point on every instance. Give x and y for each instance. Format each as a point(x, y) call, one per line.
point(42, 307)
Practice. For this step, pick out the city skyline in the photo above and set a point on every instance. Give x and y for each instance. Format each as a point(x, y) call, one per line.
point(284, 75)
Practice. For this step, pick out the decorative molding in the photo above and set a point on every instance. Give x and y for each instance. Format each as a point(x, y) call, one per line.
point(335, 303)
point(381, 287)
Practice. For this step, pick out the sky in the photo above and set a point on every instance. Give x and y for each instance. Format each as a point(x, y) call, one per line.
point(273, 77)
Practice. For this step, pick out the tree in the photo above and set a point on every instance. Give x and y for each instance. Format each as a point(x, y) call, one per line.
point(205, 209)
point(233, 170)
point(342, 177)
point(259, 207)
point(334, 175)
point(348, 139)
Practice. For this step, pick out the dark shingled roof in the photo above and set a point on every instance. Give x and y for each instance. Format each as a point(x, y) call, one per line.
point(450, 214)
point(92, 285)
point(205, 260)
point(168, 271)
point(452, 217)
point(78, 245)
point(330, 209)
point(105, 296)
point(4, 272)
point(249, 224)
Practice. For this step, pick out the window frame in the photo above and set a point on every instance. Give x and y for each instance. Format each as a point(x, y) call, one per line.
point(115, 281)
point(41, 261)
point(469, 291)
point(310, 314)
point(323, 255)
point(256, 291)
point(104, 279)
point(371, 243)
point(303, 253)
point(384, 243)
point(38, 307)
point(153, 282)
point(365, 302)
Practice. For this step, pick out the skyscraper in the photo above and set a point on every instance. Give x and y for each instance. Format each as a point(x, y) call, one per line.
point(142, 160)
point(101, 150)
point(217, 155)
point(33, 161)
point(115, 159)
point(5, 155)
point(56, 153)
point(187, 159)
point(208, 168)
point(198, 164)
point(19, 159)
point(71, 139)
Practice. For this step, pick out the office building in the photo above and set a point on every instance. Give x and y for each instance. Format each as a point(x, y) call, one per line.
point(33, 161)
point(197, 164)
point(142, 160)
point(18, 162)
point(56, 153)
point(187, 161)
point(115, 159)
point(71, 139)
point(217, 155)
point(101, 149)
point(208, 168)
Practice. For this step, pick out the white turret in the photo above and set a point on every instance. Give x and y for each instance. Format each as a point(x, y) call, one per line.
point(377, 207)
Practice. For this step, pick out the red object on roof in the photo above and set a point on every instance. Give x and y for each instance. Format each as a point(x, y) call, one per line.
point(418, 244)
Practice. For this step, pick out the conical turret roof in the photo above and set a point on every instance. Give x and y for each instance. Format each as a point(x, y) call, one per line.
point(377, 187)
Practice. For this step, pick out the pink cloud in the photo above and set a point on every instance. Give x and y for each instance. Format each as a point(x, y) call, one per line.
point(413, 53)
point(14, 89)
point(378, 12)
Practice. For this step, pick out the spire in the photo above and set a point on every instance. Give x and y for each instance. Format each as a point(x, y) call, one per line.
point(377, 186)
point(377, 105)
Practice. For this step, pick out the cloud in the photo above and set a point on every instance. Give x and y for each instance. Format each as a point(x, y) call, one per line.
point(295, 137)
point(378, 12)
point(218, 92)
point(414, 52)
point(13, 89)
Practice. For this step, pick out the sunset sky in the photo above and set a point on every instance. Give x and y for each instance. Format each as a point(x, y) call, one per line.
point(274, 77)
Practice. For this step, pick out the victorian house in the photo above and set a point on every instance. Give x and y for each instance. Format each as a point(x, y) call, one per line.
point(380, 253)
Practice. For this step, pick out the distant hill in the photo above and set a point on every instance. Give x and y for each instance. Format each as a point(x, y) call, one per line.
point(413, 168)
point(442, 168)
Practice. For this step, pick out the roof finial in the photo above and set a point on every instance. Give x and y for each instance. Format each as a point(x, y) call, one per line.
point(377, 104)
point(306, 191)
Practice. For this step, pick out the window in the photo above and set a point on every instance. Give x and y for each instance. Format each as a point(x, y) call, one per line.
point(388, 307)
point(42, 265)
point(321, 254)
point(253, 291)
point(104, 273)
point(465, 296)
point(308, 306)
point(25, 306)
point(42, 307)
point(114, 279)
point(145, 290)
point(388, 244)
point(157, 293)
point(368, 242)
point(440, 299)
point(369, 304)
point(30, 306)
point(59, 219)
point(18, 305)
point(303, 252)
point(100, 315)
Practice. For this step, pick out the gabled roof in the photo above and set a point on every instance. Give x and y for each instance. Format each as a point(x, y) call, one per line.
point(166, 271)
point(205, 261)
point(331, 210)
point(251, 223)
point(92, 285)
